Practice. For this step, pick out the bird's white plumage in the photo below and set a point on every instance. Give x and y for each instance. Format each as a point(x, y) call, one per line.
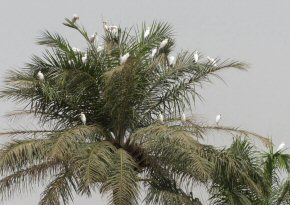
point(195, 56)
point(40, 76)
point(147, 32)
point(212, 61)
point(153, 52)
point(218, 118)
point(75, 18)
point(83, 118)
point(112, 29)
point(84, 58)
point(171, 60)
point(93, 37)
point(76, 50)
point(124, 58)
point(163, 43)
point(100, 48)
point(183, 117)
point(281, 146)
point(161, 118)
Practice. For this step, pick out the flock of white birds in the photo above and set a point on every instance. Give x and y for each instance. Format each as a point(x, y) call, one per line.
point(114, 31)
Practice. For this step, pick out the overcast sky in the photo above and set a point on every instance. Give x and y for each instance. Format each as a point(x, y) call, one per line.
point(256, 32)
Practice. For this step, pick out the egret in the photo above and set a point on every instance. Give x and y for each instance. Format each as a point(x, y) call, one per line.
point(281, 146)
point(153, 52)
point(218, 118)
point(76, 50)
point(171, 60)
point(40, 76)
point(93, 37)
point(75, 18)
point(161, 118)
point(83, 118)
point(112, 29)
point(84, 58)
point(100, 48)
point(183, 117)
point(124, 58)
point(212, 61)
point(163, 43)
point(147, 32)
point(195, 56)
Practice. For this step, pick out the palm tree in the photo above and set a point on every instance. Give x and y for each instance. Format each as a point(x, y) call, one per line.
point(130, 137)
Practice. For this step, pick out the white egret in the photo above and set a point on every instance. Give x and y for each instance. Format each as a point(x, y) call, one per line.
point(281, 146)
point(75, 18)
point(84, 58)
point(171, 60)
point(112, 29)
point(124, 58)
point(153, 52)
point(147, 32)
point(76, 50)
point(100, 48)
point(93, 37)
point(218, 118)
point(212, 61)
point(161, 118)
point(163, 43)
point(83, 118)
point(195, 56)
point(40, 76)
point(183, 117)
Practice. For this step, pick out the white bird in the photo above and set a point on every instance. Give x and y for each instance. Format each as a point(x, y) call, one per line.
point(93, 37)
point(75, 18)
point(112, 29)
point(100, 48)
point(124, 58)
point(212, 61)
point(84, 58)
point(40, 76)
point(163, 43)
point(76, 50)
point(195, 56)
point(171, 60)
point(153, 52)
point(218, 118)
point(147, 32)
point(161, 118)
point(183, 117)
point(281, 146)
point(83, 118)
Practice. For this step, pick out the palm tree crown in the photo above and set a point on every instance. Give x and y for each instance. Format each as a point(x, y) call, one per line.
point(100, 109)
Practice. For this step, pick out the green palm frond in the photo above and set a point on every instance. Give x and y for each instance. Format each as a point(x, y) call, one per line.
point(122, 183)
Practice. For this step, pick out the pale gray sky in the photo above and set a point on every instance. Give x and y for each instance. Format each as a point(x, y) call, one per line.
point(254, 31)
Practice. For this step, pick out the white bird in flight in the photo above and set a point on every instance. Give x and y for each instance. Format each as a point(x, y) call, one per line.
point(195, 56)
point(124, 58)
point(171, 60)
point(218, 118)
point(75, 18)
point(83, 118)
point(161, 118)
point(153, 52)
point(147, 32)
point(84, 58)
point(40, 76)
point(93, 37)
point(163, 43)
point(183, 117)
point(212, 61)
point(281, 146)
